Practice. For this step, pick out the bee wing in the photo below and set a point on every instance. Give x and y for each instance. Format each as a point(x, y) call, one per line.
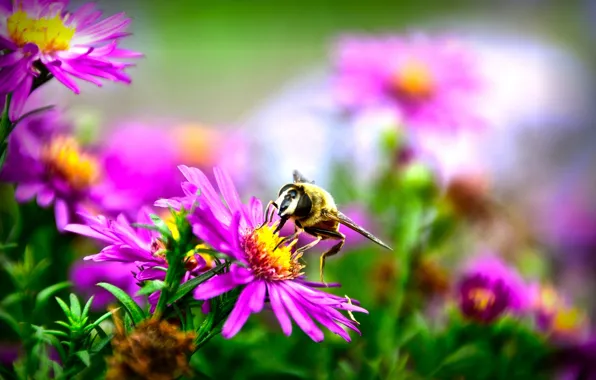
point(343, 219)
point(299, 178)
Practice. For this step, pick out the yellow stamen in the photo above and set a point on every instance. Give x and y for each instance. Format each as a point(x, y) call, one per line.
point(49, 34)
point(64, 158)
point(413, 79)
point(482, 298)
point(270, 259)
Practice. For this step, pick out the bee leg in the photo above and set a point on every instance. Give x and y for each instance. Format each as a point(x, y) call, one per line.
point(289, 238)
point(350, 312)
point(335, 249)
point(267, 215)
point(308, 246)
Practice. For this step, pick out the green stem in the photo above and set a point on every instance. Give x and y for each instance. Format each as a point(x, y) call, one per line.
point(5, 129)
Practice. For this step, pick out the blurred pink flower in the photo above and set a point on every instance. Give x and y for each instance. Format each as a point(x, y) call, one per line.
point(48, 163)
point(40, 35)
point(85, 275)
point(554, 314)
point(429, 82)
point(141, 162)
point(489, 287)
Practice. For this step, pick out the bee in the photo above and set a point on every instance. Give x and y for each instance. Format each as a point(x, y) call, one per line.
point(314, 212)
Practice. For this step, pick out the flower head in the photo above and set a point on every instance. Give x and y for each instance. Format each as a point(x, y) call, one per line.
point(555, 315)
point(139, 246)
point(489, 288)
point(265, 273)
point(42, 38)
point(428, 82)
point(47, 162)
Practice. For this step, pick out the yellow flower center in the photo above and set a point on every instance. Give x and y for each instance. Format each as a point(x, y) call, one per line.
point(64, 158)
point(413, 80)
point(482, 298)
point(568, 321)
point(49, 34)
point(269, 259)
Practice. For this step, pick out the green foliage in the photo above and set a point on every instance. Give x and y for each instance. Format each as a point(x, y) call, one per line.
point(80, 340)
point(132, 308)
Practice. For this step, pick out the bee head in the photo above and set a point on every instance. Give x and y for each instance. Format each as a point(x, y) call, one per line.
point(293, 201)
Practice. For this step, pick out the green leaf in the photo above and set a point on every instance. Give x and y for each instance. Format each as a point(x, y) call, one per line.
point(63, 324)
point(64, 307)
point(12, 299)
point(97, 347)
point(84, 356)
point(75, 306)
point(87, 307)
point(464, 353)
point(8, 246)
point(191, 284)
point(43, 296)
point(31, 113)
point(151, 287)
point(136, 313)
point(101, 319)
point(10, 321)
point(57, 370)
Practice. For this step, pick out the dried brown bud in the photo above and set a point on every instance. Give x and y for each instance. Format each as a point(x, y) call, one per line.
point(155, 350)
point(469, 196)
point(431, 278)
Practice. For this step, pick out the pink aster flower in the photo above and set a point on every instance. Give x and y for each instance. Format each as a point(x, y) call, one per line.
point(489, 288)
point(144, 171)
point(47, 163)
point(266, 273)
point(132, 246)
point(41, 38)
point(428, 82)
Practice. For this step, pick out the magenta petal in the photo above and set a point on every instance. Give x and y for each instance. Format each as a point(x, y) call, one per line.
point(300, 316)
point(63, 77)
point(45, 197)
point(257, 300)
point(62, 214)
point(279, 309)
point(25, 192)
point(84, 230)
point(216, 286)
point(256, 210)
point(240, 313)
point(228, 190)
point(19, 98)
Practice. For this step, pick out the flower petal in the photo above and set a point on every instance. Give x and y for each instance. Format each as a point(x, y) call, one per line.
point(216, 286)
point(278, 308)
point(242, 310)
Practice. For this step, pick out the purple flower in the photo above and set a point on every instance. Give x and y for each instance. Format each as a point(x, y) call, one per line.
point(482, 299)
point(429, 82)
point(489, 288)
point(554, 314)
point(266, 273)
point(40, 35)
point(47, 163)
point(129, 245)
point(85, 275)
point(144, 171)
